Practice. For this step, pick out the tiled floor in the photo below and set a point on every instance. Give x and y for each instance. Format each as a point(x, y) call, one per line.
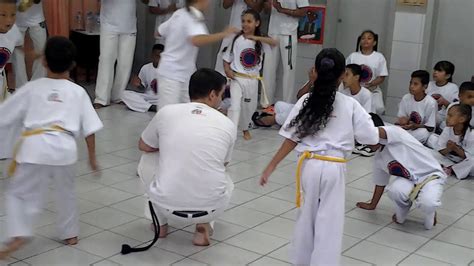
point(256, 228)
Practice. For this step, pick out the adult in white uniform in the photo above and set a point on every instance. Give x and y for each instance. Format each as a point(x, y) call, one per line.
point(328, 138)
point(283, 27)
point(31, 21)
point(163, 9)
point(184, 33)
point(238, 7)
point(53, 112)
point(201, 138)
point(118, 33)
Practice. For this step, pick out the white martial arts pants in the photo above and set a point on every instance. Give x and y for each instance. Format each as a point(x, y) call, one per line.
point(378, 106)
point(24, 199)
point(244, 101)
point(285, 53)
point(421, 134)
point(172, 92)
point(139, 102)
point(317, 238)
point(428, 199)
point(282, 111)
point(38, 36)
point(114, 47)
point(226, 42)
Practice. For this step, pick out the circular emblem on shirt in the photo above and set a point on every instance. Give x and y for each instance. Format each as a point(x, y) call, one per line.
point(395, 168)
point(415, 117)
point(367, 74)
point(249, 58)
point(4, 56)
point(154, 86)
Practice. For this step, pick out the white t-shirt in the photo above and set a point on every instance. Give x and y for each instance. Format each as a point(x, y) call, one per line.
point(118, 16)
point(467, 144)
point(373, 65)
point(404, 156)
point(147, 75)
point(45, 102)
point(31, 17)
point(347, 122)
point(283, 24)
point(364, 97)
point(8, 41)
point(178, 60)
point(450, 92)
point(244, 57)
point(164, 4)
point(472, 115)
point(421, 113)
point(195, 141)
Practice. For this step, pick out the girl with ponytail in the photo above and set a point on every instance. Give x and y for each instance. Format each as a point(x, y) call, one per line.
point(321, 128)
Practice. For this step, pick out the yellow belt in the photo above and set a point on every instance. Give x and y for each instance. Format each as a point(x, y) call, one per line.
point(309, 155)
point(264, 100)
point(29, 133)
point(416, 190)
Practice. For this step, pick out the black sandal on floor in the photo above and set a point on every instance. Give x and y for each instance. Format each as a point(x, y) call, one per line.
point(256, 119)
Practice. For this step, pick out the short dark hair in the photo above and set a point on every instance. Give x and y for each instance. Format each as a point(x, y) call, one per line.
point(423, 75)
point(355, 69)
point(159, 47)
point(60, 53)
point(466, 86)
point(447, 67)
point(203, 81)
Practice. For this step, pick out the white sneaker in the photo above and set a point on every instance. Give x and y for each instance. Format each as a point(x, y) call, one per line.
point(366, 151)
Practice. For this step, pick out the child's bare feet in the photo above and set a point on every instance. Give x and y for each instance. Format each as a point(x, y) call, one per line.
point(394, 219)
point(201, 236)
point(163, 230)
point(247, 135)
point(366, 205)
point(71, 241)
point(15, 244)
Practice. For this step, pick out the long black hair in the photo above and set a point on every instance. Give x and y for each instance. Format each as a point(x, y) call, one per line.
point(465, 111)
point(258, 32)
point(318, 106)
point(376, 39)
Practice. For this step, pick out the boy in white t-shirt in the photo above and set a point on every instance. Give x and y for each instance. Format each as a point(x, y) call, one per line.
point(353, 88)
point(53, 112)
point(417, 111)
point(163, 9)
point(145, 96)
point(32, 21)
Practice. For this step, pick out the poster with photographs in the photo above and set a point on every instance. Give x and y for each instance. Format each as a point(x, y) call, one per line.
point(311, 26)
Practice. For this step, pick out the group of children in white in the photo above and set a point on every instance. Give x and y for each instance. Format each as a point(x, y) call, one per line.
point(336, 111)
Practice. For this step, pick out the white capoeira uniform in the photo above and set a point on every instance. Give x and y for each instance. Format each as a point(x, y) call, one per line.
point(200, 137)
point(284, 29)
point(450, 92)
point(373, 66)
point(42, 104)
point(178, 61)
point(162, 18)
point(319, 226)
point(33, 22)
point(282, 111)
point(8, 42)
point(406, 158)
point(461, 167)
point(141, 102)
point(118, 34)
point(364, 97)
point(238, 8)
point(419, 112)
point(243, 59)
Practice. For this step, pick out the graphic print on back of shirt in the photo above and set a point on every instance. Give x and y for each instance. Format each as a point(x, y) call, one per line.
point(367, 74)
point(415, 117)
point(397, 169)
point(249, 58)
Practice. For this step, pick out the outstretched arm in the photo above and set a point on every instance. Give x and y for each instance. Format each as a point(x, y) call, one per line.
point(287, 146)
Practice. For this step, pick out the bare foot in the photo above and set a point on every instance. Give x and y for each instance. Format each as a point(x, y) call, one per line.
point(15, 244)
point(394, 219)
point(247, 135)
point(201, 236)
point(98, 105)
point(366, 205)
point(163, 230)
point(71, 241)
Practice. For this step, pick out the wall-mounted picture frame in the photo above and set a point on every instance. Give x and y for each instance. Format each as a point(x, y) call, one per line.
point(412, 2)
point(311, 26)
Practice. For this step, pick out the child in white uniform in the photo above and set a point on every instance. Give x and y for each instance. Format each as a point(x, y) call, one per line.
point(184, 33)
point(31, 20)
point(283, 27)
point(353, 88)
point(238, 8)
point(146, 96)
point(242, 64)
point(322, 127)
point(53, 112)
point(163, 9)
point(417, 110)
point(456, 143)
point(374, 67)
point(443, 90)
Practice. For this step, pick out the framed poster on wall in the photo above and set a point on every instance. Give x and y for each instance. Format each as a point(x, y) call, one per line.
point(311, 26)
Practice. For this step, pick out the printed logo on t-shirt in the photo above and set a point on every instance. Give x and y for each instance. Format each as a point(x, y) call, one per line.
point(395, 168)
point(5, 54)
point(415, 117)
point(367, 74)
point(54, 97)
point(154, 86)
point(249, 58)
